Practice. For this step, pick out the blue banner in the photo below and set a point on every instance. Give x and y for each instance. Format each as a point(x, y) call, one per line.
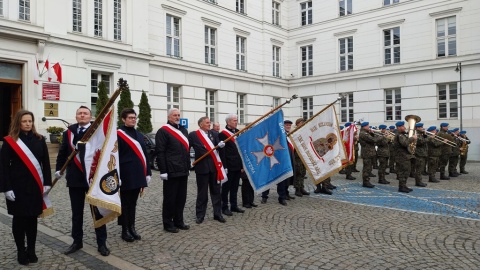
point(264, 153)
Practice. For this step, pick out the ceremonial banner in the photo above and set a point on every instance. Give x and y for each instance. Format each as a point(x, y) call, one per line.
point(348, 135)
point(101, 164)
point(320, 146)
point(264, 153)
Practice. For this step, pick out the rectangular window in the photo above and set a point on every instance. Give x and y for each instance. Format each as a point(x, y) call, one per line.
point(241, 53)
point(345, 7)
point(391, 42)
point(98, 18)
point(77, 15)
point(446, 37)
point(240, 6)
point(447, 101)
point(307, 60)
point(393, 104)
point(24, 10)
point(346, 53)
point(210, 45)
point(306, 12)
point(173, 36)
point(117, 19)
point(390, 2)
point(173, 97)
point(276, 102)
point(276, 61)
point(346, 108)
point(275, 13)
point(94, 81)
point(1, 7)
point(307, 107)
point(210, 105)
point(241, 108)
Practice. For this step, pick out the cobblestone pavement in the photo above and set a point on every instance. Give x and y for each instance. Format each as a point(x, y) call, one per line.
point(343, 231)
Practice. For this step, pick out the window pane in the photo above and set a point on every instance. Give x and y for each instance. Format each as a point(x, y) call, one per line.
point(440, 28)
point(442, 110)
point(452, 29)
point(388, 97)
point(441, 48)
point(453, 109)
point(452, 46)
point(396, 55)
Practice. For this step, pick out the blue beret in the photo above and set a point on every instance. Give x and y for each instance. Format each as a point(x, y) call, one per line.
point(400, 123)
point(444, 125)
point(342, 127)
point(391, 127)
point(347, 124)
point(432, 128)
point(365, 124)
point(382, 126)
point(455, 129)
point(463, 132)
point(449, 131)
point(419, 125)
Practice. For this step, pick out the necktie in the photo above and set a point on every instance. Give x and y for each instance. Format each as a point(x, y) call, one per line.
point(81, 130)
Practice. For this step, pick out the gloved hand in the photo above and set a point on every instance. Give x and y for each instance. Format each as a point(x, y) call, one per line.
point(226, 170)
point(148, 179)
point(221, 144)
point(58, 175)
point(119, 182)
point(46, 189)
point(164, 176)
point(9, 195)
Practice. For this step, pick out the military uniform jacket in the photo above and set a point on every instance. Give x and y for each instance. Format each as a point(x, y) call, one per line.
point(132, 170)
point(434, 147)
point(172, 156)
point(402, 142)
point(233, 161)
point(421, 150)
point(367, 141)
point(383, 147)
point(456, 149)
point(446, 149)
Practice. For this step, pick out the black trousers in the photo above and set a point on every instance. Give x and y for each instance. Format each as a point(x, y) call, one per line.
point(230, 188)
point(77, 201)
point(24, 226)
point(248, 195)
point(174, 198)
point(280, 190)
point(129, 206)
point(204, 183)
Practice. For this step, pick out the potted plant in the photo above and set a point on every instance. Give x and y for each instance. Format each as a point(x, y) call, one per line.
point(55, 132)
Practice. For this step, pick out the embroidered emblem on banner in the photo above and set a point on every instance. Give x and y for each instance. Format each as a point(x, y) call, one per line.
point(268, 150)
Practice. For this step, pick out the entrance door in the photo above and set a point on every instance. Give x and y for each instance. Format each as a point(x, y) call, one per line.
point(10, 94)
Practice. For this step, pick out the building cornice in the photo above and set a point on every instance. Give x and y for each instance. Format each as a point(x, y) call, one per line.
point(174, 10)
point(392, 23)
point(211, 22)
point(101, 64)
point(306, 41)
point(445, 12)
point(241, 32)
point(345, 33)
point(22, 33)
point(276, 42)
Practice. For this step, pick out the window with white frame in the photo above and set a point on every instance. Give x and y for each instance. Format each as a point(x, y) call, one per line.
point(307, 107)
point(447, 101)
point(210, 45)
point(346, 108)
point(390, 2)
point(210, 105)
point(240, 6)
point(306, 12)
point(393, 104)
point(241, 53)
point(276, 61)
point(95, 79)
point(173, 36)
point(24, 10)
point(346, 53)
point(241, 108)
point(276, 102)
point(98, 18)
point(345, 7)
point(391, 39)
point(77, 15)
point(275, 13)
point(307, 60)
point(173, 96)
point(117, 19)
point(446, 37)
point(1, 7)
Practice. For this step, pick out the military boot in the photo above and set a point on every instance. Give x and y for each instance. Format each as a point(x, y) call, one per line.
point(443, 176)
point(350, 177)
point(298, 192)
point(325, 190)
point(317, 190)
point(382, 180)
point(432, 179)
point(403, 188)
point(367, 184)
point(419, 183)
point(452, 174)
point(463, 172)
point(342, 171)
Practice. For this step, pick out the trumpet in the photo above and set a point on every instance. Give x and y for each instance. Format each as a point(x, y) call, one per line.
point(387, 132)
point(389, 135)
point(440, 139)
point(461, 139)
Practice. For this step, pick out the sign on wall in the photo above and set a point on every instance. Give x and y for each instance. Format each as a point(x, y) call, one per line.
point(50, 110)
point(184, 122)
point(51, 91)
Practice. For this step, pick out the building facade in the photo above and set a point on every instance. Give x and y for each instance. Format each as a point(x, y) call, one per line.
point(391, 58)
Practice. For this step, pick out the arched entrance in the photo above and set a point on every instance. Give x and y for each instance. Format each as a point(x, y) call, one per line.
point(10, 94)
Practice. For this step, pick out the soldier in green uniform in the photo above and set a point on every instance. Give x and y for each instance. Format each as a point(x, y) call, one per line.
point(455, 156)
point(300, 171)
point(446, 150)
point(434, 151)
point(464, 151)
point(403, 156)
point(391, 160)
point(421, 153)
point(382, 154)
point(367, 140)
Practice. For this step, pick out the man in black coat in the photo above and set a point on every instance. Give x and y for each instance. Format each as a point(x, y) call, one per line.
point(77, 182)
point(173, 158)
point(207, 170)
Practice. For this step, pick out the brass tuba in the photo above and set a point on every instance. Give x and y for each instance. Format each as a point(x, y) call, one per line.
point(412, 120)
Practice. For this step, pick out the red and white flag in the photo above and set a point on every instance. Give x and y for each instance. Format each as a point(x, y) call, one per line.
point(36, 72)
point(348, 138)
point(54, 72)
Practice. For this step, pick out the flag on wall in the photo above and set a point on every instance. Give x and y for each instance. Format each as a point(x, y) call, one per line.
point(55, 73)
point(264, 153)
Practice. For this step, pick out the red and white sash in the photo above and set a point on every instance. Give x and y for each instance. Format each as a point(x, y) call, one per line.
point(221, 174)
point(290, 145)
point(29, 159)
point(136, 147)
point(177, 134)
point(228, 133)
point(76, 158)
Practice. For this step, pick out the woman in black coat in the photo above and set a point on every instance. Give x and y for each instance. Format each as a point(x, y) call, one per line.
point(25, 176)
point(135, 172)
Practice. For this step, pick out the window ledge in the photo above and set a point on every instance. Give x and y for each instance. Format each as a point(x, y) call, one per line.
point(173, 56)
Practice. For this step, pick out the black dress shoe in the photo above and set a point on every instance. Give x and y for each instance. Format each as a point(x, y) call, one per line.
point(74, 247)
point(126, 236)
point(283, 202)
point(237, 210)
point(247, 205)
point(219, 219)
point(134, 233)
point(199, 220)
point(104, 251)
point(22, 257)
point(227, 212)
point(172, 229)
point(254, 205)
point(182, 226)
point(32, 257)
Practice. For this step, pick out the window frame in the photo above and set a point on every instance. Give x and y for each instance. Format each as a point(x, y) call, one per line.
point(393, 110)
point(348, 7)
point(170, 45)
point(209, 46)
point(240, 6)
point(347, 55)
point(306, 14)
point(347, 113)
point(276, 13)
point(173, 92)
point(241, 98)
point(392, 47)
point(390, 2)
point(27, 8)
point(446, 38)
point(241, 53)
point(306, 63)
point(448, 101)
point(98, 18)
point(77, 13)
point(94, 94)
point(211, 109)
point(117, 19)
point(276, 61)
point(307, 107)
point(276, 101)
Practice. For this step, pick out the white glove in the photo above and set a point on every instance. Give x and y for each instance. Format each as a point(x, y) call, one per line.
point(226, 170)
point(221, 144)
point(58, 175)
point(119, 182)
point(164, 176)
point(46, 189)
point(148, 179)
point(10, 195)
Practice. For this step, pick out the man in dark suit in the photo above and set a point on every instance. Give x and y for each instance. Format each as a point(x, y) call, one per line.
point(208, 171)
point(77, 182)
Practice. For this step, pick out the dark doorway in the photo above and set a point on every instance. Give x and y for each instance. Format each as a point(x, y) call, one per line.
point(10, 103)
